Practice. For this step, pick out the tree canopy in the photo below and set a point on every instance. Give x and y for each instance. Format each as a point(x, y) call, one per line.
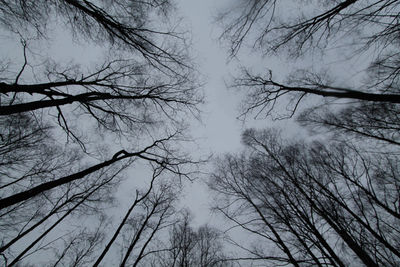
point(72, 133)
point(330, 198)
point(92, 152)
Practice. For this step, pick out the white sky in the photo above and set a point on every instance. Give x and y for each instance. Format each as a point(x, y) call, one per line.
point(220, 129)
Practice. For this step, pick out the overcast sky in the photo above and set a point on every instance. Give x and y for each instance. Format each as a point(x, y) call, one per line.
point(220, 130)
point(220, 127)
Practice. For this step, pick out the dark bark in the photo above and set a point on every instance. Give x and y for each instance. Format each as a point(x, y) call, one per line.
point(357, 249)
point(30, 229)
point(53, 226)
point(138, 234)
point(156, 228)
point(85, 98)
point(280, 242)
point(123, 222)
point(348, 94)
point(19, 197)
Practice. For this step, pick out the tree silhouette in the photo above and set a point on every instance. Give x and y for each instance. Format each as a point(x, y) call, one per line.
point(306, 201)
point(69, 133)
point(313, 29)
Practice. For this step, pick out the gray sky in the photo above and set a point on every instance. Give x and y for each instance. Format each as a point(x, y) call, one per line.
point(220, 129)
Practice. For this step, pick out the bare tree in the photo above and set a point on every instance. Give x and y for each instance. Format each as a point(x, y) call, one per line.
point(371, 123)
point(78, 249)
point(120, 97)
point(146, 154)
point(138, 94)
point(122, 24)
point(301, 29)
point(191, 247)
point(64, 196)
point(57, 216)
point(157, 202)
point(307, 201)
point(265, 93)
point(157, 210)
point(147, 80)
point(149, 214)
